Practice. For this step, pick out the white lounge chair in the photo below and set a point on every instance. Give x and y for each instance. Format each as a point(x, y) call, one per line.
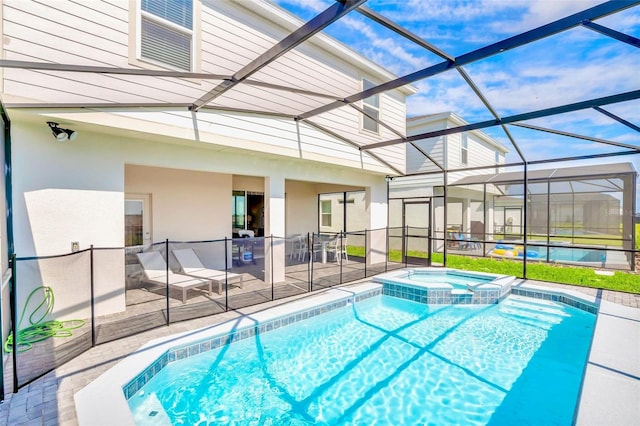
point(155, 271)
point(191, 265)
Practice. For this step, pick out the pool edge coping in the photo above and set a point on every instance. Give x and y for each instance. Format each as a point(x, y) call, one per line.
point(88, 399)
point(103, 402)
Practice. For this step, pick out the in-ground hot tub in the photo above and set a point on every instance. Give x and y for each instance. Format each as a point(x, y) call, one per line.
point(445, 285)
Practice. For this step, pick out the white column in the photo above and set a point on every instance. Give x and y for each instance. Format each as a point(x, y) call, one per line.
point(376, 202)
point(466, 216)
point(274, 218)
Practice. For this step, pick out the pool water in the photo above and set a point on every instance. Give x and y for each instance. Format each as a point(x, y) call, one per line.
point(386, 361)
point(456, 280)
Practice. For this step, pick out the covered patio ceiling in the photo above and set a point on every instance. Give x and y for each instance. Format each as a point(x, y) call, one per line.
point(260, 87)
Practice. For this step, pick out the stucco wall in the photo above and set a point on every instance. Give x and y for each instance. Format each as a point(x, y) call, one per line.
point(185, 205)
point(74, 191)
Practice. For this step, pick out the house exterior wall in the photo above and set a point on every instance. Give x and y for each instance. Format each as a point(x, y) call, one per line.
point(75, 191)
point(301, 207)
point(230, 34)
point(63, 194)
point(188, 162)
point(185, 205)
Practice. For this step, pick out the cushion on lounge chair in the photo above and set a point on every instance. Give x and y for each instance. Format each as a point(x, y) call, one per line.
point(155, 270)
point(191, 265)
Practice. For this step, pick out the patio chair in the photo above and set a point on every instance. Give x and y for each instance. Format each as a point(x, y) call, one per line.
point(191, 265)
point(155, 272)
point(300, 247)
point(338, 246)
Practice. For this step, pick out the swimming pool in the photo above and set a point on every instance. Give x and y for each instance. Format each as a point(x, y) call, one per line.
point(387, 360)
point(557, 254)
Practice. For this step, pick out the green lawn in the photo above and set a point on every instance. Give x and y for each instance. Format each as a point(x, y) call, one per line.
point(586, 277)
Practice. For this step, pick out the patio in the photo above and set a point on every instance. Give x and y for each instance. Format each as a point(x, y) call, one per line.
point(147, 307)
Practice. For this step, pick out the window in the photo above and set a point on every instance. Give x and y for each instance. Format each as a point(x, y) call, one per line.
point(371, 106)
point(166, 32)
point(325, 211)
point(464, 151)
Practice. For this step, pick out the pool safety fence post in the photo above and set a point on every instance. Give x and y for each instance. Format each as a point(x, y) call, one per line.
point(341, 236)
point(226, 279)
point(525, 228)
point(166, 245)
point(310, 241)
point(309, 276)
point(271, 260)
point(405, 245)
point(429, 247)
point(13, 300)
point(2, 332)
point(386, 257)
point(365, 252)
point(93, 301)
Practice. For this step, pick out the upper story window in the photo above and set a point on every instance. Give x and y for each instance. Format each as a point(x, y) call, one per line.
point(464, 150)
point(371, 106)
point(166, 32)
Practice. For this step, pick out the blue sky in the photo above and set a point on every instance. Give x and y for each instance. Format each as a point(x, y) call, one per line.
point(570, 67)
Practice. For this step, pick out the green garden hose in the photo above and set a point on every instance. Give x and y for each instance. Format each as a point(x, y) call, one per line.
point(39, 329)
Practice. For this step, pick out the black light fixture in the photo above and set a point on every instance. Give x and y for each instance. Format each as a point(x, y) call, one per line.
point(61, 134)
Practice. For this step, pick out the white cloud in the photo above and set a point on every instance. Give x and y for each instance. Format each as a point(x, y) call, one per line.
point(540, 12)
point(460, 10)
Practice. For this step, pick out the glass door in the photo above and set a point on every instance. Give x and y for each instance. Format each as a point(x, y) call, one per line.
point(416, 220)
point(247, 214)
point(137, 221)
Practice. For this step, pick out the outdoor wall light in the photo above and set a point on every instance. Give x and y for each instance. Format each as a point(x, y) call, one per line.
point(62, 134)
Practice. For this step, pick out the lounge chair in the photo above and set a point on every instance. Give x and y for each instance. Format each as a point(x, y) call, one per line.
point(155, 271)
point(191, 265)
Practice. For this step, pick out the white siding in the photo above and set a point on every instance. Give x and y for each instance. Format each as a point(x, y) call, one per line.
point(97, 33)
point(416, 161)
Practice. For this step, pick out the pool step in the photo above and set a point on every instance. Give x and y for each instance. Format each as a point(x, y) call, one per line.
point(535, 314)
point(535, 305)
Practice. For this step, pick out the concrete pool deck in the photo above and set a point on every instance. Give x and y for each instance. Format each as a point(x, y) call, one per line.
point(609, 396)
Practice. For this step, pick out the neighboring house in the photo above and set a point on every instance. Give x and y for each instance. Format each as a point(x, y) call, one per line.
point(143, 168)
point(452, 152)
point(488, 203)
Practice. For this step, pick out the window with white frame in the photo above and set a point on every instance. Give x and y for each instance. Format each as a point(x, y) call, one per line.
point(166, 32)
point(371, 106)
point(325, 211)
point(464, 149)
